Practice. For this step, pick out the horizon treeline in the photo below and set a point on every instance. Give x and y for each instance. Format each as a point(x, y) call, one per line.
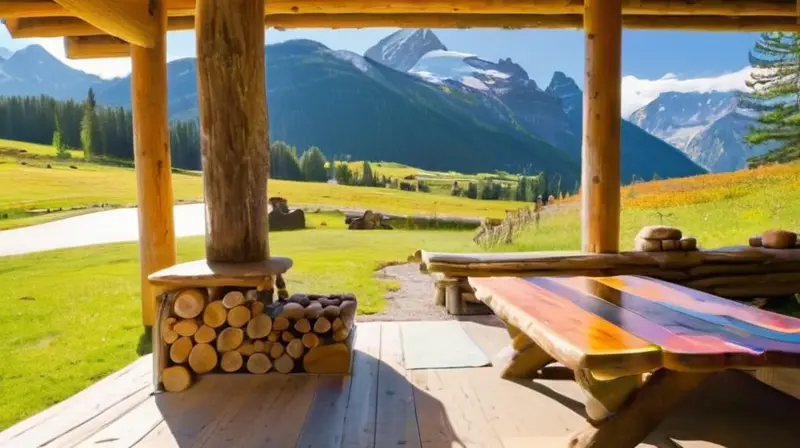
point(36, 119)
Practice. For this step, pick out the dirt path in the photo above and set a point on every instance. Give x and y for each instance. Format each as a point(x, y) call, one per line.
point(414, 299)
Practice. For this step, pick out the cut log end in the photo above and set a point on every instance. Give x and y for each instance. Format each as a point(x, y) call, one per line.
point(233, 299)
point(284, 364)
point(176, 378)
point(238, 316)
point(215, 314)
point(186, 327)
point(229, 339)
point(293, 311)
point(295, 348)
point(256, 308)
point(180, 349)
point(276, 350)
point(280, 323)
point(258, 363)
point(303, 325)
point(247, 348)
point(259, 326)
point(203, 358)
point(205, 335)
point(310, 340)
point(274, 336)
point(322, 325)
point(287, 336)
point(231, 361)
point(189, 303)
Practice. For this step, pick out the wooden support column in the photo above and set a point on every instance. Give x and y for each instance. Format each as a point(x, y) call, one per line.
point(234, 137)
point(153, 166)
point(600, 179)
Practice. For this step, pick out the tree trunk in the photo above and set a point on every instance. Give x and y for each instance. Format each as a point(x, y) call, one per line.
point(234, 133)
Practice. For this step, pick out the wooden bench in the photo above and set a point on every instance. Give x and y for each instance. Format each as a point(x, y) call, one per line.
point(637, 345)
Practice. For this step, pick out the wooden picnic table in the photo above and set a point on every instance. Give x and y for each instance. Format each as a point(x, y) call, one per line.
point(637, 345)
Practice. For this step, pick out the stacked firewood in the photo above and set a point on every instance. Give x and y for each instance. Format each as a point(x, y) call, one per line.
point(236, 330)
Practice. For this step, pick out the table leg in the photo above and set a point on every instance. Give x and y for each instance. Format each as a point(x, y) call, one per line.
point(638, 416)
point(523, 358)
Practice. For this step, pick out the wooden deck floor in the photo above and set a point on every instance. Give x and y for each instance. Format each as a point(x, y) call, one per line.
point(383, 405)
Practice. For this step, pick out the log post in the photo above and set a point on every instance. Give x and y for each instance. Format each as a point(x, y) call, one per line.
point(231, 94)
point(152, 159)
point(600, 172)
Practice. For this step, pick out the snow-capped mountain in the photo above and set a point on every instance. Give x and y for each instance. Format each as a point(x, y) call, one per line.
point(709, 127)
point(552, 115)
point(677, 117)
point(401, 50)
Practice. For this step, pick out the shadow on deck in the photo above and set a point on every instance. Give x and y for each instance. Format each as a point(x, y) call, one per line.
point(384, 405)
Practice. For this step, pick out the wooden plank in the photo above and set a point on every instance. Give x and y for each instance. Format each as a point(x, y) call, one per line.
point(689, 340)
point(204, 273)
point(174, 417)
point(396, 419)
point(279, 425)
point(152, 159)
point(744, 8)
point(448, 411)
point(232, 104)
point(97, 422)
point(87, 47)
point(70, 413)
point(572, 335)
point(661, 291)
point(127, 431)
point(537, 415)
point(240, 412)
point(359, 423)
point(324, 424)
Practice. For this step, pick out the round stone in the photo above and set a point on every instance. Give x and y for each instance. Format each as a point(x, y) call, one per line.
point(779, 239)
point(659, 233)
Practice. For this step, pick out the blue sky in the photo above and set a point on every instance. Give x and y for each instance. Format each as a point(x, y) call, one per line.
point(647, 55)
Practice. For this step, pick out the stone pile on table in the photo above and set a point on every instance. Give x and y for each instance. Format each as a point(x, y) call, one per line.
point(775, 239)
point(663, 239)
point(229, 330)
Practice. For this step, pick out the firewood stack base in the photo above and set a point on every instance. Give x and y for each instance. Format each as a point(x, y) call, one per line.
point(241, 330)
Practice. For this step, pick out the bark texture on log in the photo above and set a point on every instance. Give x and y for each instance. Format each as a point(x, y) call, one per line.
point(152, 159)
point(234, 133)
point(602, 123)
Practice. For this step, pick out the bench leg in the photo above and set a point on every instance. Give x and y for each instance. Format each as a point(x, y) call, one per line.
point(523, 358)
point(603, 398)
point(642, 413)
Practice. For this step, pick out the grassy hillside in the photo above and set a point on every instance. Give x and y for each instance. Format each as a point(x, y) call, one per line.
point(719, 209)
point(33, 186)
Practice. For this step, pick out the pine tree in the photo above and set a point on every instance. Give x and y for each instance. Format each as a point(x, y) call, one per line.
point(367, 177)
point(89, 128)
point(58, 144)
point(312, 164)
point(775, 96)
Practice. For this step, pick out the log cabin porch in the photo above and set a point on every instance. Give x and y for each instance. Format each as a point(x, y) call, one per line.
point(383, 404)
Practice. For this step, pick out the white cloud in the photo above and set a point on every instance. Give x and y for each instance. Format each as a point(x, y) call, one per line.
point(638, 92)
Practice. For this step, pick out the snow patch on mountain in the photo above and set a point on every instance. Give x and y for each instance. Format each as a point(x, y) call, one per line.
point(402, 49)
point(356, 59)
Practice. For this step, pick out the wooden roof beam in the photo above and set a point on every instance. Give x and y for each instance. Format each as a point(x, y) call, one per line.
point(129, 20)
point(48, 8)
point(84, 41)
point(92, 47)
